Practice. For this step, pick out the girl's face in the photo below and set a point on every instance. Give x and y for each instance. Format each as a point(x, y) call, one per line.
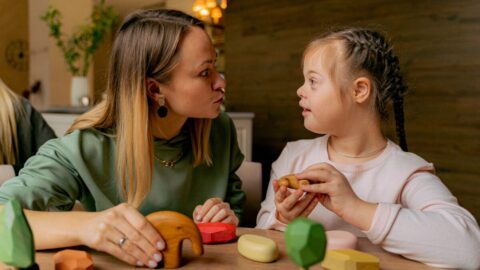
point(195, 88)
point(320, 95)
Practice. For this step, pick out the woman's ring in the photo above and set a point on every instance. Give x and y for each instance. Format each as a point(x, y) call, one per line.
point(122, 241)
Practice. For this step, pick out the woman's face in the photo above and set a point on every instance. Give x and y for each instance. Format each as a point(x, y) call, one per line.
point(195, 87)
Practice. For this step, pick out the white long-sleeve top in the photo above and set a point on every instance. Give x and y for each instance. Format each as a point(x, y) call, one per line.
point(417, 216)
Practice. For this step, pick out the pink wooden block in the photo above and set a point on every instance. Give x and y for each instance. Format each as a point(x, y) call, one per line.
point(341, 240)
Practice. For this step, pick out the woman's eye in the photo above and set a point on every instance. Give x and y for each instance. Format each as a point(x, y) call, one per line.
point(205, 73)
point(311, 81)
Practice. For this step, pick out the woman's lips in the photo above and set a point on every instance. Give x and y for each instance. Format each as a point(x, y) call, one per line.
point(220, 100)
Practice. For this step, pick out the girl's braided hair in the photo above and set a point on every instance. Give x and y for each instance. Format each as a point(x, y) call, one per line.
point(369, 51)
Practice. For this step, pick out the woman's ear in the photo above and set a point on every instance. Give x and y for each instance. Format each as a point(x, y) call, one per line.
point(153, 89)
point(362, 89)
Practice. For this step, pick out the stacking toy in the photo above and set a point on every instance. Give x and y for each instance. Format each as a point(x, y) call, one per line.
point(16, 240)
point(174, 228)
point(291, 181)
point(217, 232)
point(70, 259)
point(257, 248)
point(349, 259)
point(306, 242)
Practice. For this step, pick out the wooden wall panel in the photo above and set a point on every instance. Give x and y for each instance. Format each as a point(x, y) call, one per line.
point(438, 44)
point(14, 51)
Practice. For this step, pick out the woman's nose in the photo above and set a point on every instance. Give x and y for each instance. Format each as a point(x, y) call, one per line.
point(219, 82)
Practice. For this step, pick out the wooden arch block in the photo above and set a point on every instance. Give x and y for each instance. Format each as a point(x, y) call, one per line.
point(174, 228)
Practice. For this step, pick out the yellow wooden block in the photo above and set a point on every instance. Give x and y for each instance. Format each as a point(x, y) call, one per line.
point(257, 248)
point(350, 259)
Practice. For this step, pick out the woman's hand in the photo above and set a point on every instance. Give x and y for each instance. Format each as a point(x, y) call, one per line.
point(214, 210)
point(126, 234)
point(292, 205)
point(335, 193)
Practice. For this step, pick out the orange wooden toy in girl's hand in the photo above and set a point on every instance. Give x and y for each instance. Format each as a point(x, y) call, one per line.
point(291, 181)
point(174, 228)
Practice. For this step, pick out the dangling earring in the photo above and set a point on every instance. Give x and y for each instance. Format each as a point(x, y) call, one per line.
point(162, 110)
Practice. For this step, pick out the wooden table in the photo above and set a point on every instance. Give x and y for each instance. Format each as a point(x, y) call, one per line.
point(226, 256)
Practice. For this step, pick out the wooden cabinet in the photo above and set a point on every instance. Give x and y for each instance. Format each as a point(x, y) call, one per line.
point(61, 121)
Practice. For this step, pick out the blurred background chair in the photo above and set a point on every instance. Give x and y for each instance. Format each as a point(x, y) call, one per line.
point(251, 175)
point(6, 172)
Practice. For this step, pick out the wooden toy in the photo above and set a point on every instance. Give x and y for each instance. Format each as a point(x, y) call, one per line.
point(174, 228)
point(217, 232)
point(341, 240)
point(16, 240)
point(349, 259)
point(70, 259)
point(291, 181)
point(257, 248)
point(305, 242)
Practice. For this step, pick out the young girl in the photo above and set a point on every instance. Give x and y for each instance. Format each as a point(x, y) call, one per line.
point(157, 142)
point(360, 181)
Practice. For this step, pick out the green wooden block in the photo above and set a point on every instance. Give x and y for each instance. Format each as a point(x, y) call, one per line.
point(306, 242)
point(16, 244)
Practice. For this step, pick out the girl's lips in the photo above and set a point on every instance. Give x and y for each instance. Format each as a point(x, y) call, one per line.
point(305, 111)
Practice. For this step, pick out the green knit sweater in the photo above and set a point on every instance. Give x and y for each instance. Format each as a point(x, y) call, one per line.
point(81, 166)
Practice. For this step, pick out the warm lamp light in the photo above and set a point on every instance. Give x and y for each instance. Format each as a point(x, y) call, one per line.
point(204, 12)
point(198, 5)
point(210, 9)
point(216, 14)
point(211, 3)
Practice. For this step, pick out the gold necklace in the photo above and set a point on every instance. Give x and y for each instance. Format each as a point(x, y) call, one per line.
point(169, 163)
point(367, 155)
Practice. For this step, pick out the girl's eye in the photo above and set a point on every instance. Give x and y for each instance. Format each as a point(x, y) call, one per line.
point(205, 73)
point(311, 81)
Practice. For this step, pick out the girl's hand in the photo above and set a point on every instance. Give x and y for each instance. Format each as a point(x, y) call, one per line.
point(124, 233)
point(335, 193)
point(214, 210)
point(291, 205)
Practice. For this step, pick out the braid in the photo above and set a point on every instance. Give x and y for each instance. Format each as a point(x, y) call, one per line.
point(399, 121)
point(369, 51)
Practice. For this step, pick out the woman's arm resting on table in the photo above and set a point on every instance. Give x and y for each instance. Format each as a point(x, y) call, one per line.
point(101, 231)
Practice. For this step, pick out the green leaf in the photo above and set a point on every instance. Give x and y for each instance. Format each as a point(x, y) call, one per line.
point(85, 40)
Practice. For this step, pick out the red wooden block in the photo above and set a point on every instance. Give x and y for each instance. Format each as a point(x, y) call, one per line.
point(217, 232)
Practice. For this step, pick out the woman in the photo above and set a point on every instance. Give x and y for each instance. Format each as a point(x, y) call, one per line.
point(150, 145)
point(22, 131)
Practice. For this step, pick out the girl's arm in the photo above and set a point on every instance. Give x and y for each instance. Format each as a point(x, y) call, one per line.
point(428, 225)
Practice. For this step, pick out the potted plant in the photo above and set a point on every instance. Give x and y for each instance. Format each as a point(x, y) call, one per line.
point(78, 48)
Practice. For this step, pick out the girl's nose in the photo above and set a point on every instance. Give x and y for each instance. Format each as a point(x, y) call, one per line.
point(300, 92)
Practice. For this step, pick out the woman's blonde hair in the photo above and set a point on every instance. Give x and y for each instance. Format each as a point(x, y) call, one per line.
point(10, 108)
point(147, 45)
